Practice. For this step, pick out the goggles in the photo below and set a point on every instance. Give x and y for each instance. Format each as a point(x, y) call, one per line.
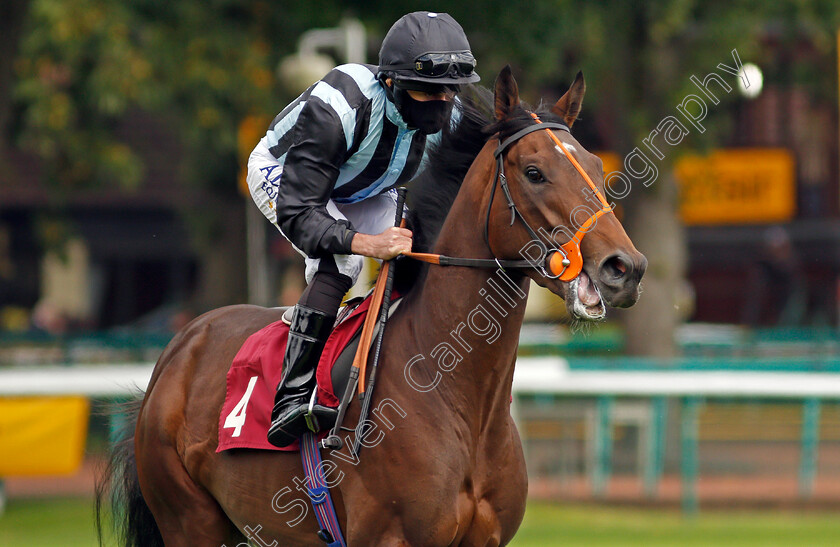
point(437, 65)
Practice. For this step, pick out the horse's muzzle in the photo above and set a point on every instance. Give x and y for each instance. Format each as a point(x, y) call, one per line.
point(619, 276)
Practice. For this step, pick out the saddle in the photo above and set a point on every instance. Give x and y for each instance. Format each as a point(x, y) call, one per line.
point(257, 367)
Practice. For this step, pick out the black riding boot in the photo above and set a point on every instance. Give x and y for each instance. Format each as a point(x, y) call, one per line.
point(293, 413)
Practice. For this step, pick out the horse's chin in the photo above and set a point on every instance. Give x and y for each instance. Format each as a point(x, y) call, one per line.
point(583, 298)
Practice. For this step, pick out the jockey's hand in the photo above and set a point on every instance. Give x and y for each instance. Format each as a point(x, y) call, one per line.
point(385, 246)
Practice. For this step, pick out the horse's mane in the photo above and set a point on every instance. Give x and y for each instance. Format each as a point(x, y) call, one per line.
point(432, 192)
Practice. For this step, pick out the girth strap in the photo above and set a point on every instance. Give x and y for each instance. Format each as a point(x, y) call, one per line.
point(319, 492)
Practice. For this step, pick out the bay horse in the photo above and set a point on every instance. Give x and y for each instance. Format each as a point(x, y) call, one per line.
point(445, 466)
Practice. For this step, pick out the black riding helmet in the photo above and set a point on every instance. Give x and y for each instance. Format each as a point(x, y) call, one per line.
point(427, 48)
point(429, 52)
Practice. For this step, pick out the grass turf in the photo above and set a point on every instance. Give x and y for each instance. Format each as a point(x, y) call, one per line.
point(547, 524)
point(48, 522)
point(69, 523)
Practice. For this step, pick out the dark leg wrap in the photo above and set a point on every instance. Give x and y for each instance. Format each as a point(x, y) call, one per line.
point(326, 291)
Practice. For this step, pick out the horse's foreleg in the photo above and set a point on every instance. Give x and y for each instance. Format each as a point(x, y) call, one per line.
point(186, 514)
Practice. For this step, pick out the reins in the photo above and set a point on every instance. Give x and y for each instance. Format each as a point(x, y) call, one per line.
point(564, 262)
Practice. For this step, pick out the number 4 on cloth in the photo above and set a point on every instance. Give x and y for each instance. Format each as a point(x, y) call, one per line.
point(236, 418)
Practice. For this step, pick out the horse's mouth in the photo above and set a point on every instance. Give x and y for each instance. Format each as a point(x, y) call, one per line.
point(583, 299)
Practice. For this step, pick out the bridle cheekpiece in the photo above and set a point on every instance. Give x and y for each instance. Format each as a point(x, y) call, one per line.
point(563, 262)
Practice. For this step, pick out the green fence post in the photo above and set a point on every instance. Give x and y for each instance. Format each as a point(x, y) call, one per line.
point(689, 427)
point(656, 446)
point(602, 468)
point(810, 446)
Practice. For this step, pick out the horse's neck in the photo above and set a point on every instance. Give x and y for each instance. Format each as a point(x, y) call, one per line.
point(467, 320)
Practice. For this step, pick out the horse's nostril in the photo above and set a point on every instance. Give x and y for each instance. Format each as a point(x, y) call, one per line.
point(614, 267)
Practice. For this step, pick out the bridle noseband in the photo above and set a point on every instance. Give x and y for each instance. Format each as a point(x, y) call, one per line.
point(563, 262)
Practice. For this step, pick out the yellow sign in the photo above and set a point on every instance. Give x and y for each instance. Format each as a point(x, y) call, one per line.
point(42, 435)
point(737, 186)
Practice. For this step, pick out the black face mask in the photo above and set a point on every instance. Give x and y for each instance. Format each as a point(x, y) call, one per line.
point(427, 116)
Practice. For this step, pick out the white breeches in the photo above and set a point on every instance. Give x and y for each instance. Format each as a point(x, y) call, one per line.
point(370, 216)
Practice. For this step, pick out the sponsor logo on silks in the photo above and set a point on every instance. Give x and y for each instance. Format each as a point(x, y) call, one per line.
point(269, 185)
point(269, 189)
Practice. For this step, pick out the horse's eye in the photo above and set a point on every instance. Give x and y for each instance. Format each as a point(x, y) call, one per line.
point(534, 175)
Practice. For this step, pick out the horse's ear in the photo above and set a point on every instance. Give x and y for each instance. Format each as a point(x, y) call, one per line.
point(506, 93)
point(568, 107)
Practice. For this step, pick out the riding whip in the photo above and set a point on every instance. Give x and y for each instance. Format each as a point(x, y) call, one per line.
point(366, 394)
point(383, 281)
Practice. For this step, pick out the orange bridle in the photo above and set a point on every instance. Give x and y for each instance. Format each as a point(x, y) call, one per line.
point(564, 262)
point(569, 265)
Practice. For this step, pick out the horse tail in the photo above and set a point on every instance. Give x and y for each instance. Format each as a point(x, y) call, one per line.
point(119, 487)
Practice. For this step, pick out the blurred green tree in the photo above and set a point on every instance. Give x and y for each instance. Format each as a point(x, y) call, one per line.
point(84, 65)
point(12, 15)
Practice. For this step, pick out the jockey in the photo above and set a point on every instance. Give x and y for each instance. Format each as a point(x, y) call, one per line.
point(324, 174)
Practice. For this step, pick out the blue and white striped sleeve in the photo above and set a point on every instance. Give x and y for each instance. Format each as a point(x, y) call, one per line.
point(317, 151)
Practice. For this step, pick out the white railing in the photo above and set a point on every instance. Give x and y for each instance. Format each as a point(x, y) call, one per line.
point(546, 376)
point(552, 375)
point(91, 380)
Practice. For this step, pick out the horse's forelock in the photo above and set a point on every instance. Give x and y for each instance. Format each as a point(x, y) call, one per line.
point(520, 118)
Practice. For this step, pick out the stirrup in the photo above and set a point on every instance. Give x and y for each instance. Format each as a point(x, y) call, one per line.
point(309, 417)
point(289, 312)
point(292, 424)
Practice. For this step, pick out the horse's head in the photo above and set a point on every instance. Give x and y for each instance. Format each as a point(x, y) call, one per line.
point(546, 180)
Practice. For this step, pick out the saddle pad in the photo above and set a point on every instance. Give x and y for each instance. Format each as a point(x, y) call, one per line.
point(256, 371)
